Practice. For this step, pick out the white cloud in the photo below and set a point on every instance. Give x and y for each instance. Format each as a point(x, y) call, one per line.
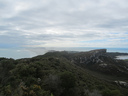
point(48, 23)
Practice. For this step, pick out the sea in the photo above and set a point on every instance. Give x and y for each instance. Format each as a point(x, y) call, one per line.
point(18, 53)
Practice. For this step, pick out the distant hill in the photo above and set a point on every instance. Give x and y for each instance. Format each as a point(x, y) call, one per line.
point(65, 73)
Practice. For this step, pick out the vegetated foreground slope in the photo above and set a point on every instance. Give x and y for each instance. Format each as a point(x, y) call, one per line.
point(92, 73)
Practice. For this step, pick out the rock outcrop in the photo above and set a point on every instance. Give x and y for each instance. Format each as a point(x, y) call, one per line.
point(95, 60)
point(98, 60)
point(89, 57)
point(122, 83)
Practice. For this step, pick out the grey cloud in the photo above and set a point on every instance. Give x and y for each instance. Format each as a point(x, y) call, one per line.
point(115, 23)
point(70, 17)
point(12, 38)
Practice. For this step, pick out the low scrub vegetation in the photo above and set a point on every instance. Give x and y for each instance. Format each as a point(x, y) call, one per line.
point(51, 76)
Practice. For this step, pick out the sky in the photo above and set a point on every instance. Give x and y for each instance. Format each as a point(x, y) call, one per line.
point(63, 23)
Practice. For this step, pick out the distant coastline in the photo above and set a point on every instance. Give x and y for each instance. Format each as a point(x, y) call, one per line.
point(17, 53)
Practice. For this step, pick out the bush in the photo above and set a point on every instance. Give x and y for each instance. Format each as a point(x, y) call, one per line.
point(7, 90)
point(68, 80)
point(68, 84)
point(108, 92)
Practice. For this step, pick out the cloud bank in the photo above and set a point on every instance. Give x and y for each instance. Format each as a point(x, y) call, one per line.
point(67, 23)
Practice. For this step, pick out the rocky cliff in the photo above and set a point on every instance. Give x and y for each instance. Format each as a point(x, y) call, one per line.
point(88, 57)
point(99, 60)
point(95, 60)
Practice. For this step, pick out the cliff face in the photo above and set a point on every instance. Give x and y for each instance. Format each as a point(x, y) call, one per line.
point(95, 60)
point(88, 57)
point(98, 60)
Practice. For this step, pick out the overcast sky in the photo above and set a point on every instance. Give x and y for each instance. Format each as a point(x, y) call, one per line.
point(63, 23)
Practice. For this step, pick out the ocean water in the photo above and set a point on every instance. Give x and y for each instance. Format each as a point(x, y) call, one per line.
point(122, 57)
point(17, 53)
point(121, 50)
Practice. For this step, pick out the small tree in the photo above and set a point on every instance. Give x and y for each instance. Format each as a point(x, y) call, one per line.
point(68, 80)
point(68, 83)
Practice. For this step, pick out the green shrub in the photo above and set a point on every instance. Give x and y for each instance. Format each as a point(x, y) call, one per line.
point(68, 80)
point(108, 92)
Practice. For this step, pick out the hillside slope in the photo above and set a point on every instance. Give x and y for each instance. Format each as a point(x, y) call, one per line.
point(64, 74)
